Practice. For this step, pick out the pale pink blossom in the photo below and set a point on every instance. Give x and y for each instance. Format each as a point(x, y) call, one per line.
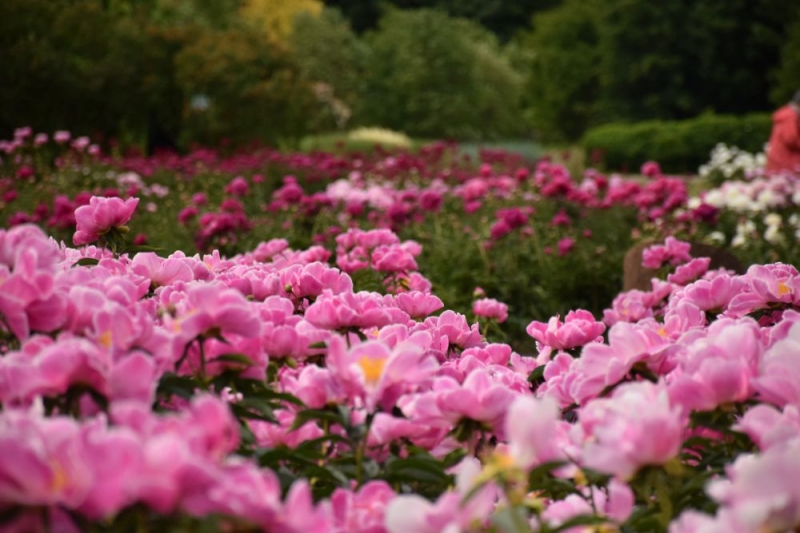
point(490, 308)
point(579, 328)
point(636, 426)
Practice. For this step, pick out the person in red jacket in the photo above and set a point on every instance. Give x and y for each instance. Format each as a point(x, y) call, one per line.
point(784, 143)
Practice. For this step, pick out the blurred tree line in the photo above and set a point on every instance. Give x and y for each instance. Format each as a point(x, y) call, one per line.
point(591, 62)
point(176, 72)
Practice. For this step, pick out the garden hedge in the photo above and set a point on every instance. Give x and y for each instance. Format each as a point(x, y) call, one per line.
point(679, 146)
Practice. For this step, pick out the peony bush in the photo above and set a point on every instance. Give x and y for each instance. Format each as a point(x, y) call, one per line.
point(330, 387)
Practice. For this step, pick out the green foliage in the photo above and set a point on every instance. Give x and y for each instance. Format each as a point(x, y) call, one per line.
point(254, 92)
point(716, 61)
point(74, 67)
point(787, 75)
point(330, 55)
point(590, 63)
point(503, 18)
point(561, 62)
point(679, 146)
point(433, 76)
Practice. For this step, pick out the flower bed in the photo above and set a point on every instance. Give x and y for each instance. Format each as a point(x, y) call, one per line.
point(269, 390)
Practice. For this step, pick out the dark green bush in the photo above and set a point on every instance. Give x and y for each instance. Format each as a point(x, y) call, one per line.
point(679, 146)
point(432, 76)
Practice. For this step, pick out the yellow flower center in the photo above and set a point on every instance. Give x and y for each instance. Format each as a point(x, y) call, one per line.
point(372, 368)
point(60, 479)
point(783, 289)
point(105, 339)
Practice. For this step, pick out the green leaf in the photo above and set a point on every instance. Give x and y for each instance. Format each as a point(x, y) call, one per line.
point(538, 475)
point(182, 386)
point(581, 520)
point(86, 261)
point(537, 375)
point(243, 412)
point(137, 248)
point(234, 358)
point(319, 415)
point(416, 469)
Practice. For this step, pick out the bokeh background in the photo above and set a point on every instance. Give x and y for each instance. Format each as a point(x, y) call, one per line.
point(152, 74)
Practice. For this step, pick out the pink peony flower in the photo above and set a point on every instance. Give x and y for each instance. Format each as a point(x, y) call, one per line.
point(761, 491)
point(768, 427)
point(672, 251)
point(418, 304)
point(778, 380)
point(637, 426)
point(490, 308)
point(579, 328)
point(536, 434)
point(101, 215)
point(377, 374)
point(719, 368)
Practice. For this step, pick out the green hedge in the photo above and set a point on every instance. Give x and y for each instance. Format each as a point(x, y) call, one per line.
point(679, 146)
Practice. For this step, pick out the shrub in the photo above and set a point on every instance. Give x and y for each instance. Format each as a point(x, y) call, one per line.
point(679, 146)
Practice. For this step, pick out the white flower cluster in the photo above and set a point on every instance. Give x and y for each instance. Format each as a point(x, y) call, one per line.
point(750, 197)
point(730, 161)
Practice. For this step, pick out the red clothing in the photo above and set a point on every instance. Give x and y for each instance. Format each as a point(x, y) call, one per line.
point(784, 143)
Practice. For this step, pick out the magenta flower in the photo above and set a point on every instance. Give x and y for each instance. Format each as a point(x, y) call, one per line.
point(451, 330)
point(651, 169)
point(100, 216)
point(161, 271)
point(565, 245)
point(714, 294)
point(348, 310)
point(238, 187)
point(212, 309)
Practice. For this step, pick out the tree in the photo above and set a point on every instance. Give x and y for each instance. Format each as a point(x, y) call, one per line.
point(676, 59)
point(595, 62)
point(333, 58)
point(250, 89)
point(503, 18)
point(561, 64)
point(433, 76)
point(275, 17)
point(787, 75)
